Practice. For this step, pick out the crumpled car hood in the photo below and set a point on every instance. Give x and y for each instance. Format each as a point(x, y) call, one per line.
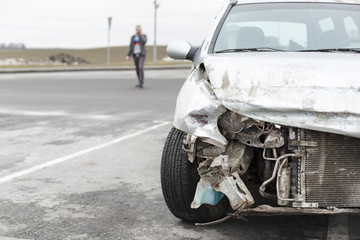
point(318, 91)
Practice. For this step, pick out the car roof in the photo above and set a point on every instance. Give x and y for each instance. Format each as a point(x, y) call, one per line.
point(300, 1)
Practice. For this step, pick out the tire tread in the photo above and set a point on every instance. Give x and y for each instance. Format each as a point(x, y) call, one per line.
point(179, 179)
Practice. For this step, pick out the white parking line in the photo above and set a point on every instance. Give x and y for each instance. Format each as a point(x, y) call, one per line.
point(56, 114)
point(77, 154)
point(33, 113)
point(10, 238)
point(338, 227)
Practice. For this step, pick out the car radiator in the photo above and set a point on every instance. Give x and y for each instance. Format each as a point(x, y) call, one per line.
point(332, 170)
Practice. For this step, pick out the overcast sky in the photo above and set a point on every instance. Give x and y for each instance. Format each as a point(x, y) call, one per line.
point(83, 23)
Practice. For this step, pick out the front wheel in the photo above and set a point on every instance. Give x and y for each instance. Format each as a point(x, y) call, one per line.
point(179, 178)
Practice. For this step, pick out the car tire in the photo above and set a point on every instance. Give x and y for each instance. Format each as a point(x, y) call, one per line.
point(179, 178)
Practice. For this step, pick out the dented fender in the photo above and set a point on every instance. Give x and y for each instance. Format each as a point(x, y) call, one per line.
point(198, 109)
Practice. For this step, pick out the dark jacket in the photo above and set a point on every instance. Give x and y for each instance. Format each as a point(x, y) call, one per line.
point(143, 40)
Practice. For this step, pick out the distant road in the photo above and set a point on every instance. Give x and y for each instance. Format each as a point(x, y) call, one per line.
point(99, 93)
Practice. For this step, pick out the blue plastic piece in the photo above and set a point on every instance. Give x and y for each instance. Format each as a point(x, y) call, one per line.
point(206, 194)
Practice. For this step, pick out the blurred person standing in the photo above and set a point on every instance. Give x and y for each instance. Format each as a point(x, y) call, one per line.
point(138, 52)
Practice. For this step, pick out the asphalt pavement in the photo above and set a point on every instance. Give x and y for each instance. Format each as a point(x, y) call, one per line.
point(80, 159)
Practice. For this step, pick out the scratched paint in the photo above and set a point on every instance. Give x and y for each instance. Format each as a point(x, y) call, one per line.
point(307, 90)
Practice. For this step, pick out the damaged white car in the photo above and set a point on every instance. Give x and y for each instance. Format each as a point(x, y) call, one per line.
point(268, 121)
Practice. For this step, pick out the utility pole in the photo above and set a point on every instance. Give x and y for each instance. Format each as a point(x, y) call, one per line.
point(156, 5)
point(108, 48)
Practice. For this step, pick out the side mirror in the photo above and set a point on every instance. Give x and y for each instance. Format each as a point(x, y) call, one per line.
point(181, 50)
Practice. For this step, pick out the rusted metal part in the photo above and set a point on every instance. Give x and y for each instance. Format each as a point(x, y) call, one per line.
point(222, 220)
point(274, 139)
point(266, 210)
point(283, 184)
point(209, 174)
point(302, 204)
point(303, 143)
point(251, 137)
point(240, 156)
point(214, 222)
point(218, 174)
point(222, 163)
point(233, 122)
point(243, 129)
point(236, 191)
point(189, 146)
point(206, 151)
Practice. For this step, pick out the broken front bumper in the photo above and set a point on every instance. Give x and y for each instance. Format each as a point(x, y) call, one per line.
point(198, 113)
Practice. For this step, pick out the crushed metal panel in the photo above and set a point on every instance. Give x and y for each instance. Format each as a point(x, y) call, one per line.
point(216, 177)
point(197, 110)
point(240, 156)
point(266, 210)
point(236, 191)
point(307, 90)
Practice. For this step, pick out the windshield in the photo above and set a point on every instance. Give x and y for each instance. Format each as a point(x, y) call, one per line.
point(290, 27)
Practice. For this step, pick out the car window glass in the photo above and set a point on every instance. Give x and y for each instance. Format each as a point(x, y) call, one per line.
point(290, 27)
point(351, 28)
point(326, 24)
point(283, 35)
